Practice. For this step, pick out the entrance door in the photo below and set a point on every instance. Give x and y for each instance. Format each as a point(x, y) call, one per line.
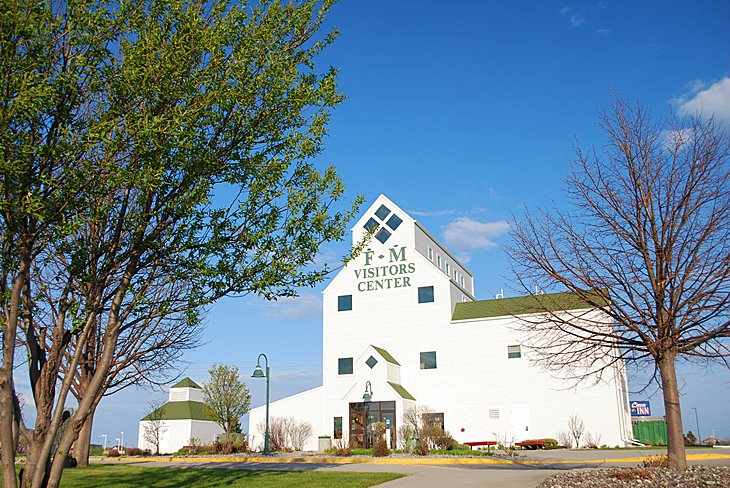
point(364, 416)
point(519, 420)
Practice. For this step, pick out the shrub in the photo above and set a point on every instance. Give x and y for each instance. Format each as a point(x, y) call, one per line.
point(550, 443)
point(593, 440)
point(654, 462)
point(627, 474)
point(134, 451)
point(405, 433)
point(380, 449)
point(361, 451)
point(96, 451)
point(113, 452)
point(422, 449)
point(343, 451)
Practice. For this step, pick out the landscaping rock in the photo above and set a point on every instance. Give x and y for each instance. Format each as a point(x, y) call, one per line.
point(693, 477)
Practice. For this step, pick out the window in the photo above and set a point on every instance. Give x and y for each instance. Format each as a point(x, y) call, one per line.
point(394, 221)
point(454, 275)
point(438, 261)
point(430, 253)
point(425, 294)
point(344, 303)
point(514, 352)
point(494, 414)
point(433, 420)
point(338, 428)
point(462, 281)
point(371, 225)
point(371, 362)
point(344, 366)
point(428, 360)
point(382, 212)
point(448, 269)
point(382, 235)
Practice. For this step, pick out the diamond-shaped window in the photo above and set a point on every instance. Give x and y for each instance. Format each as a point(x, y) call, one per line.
point(382, 212)
point(382, 235)
point(371, 362)
point(371, 224)
point(394, 221)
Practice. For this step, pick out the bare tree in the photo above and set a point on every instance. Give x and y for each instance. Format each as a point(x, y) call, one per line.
point(299, 432)
point(576, 428)
point(644, 246)
point(413, 417)
point(154, 425)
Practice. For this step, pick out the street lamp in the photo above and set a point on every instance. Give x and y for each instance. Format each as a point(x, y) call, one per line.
point(104, 436)
point(122, 450)
point(117, 439)
point(699, 436)
point(258, 373)
point(368, 392)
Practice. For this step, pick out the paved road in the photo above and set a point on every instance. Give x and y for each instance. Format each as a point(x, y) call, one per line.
point(529, 470)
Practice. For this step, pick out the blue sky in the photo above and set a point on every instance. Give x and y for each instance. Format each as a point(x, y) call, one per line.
point(464, 113)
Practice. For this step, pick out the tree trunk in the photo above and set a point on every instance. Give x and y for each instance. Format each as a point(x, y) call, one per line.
point(676, 455)
point(83, 443)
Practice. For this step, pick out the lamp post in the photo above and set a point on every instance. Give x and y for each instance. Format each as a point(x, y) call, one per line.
point(368, 392)
point(104, 436)
point(122, 445)
point(117, 439)
point(258, 373)
point(699, 436)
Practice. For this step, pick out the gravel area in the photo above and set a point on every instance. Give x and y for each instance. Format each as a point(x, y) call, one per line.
point(693, 477)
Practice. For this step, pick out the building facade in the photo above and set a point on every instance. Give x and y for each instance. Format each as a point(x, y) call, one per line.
point(182, 418)
point(401, 328)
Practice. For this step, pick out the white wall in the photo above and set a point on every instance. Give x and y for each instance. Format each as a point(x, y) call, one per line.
point(304, 407)
point(176, 434)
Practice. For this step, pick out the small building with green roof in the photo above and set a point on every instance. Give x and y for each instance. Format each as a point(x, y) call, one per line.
point(182, 418)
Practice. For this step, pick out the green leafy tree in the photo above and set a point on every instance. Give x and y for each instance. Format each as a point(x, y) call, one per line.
point(645, 245)
point(226, 397)
point(156, 155)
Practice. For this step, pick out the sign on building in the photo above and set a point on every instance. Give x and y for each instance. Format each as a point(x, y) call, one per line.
point(640, 409)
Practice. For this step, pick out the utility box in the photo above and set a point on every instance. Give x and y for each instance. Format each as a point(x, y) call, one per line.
point(650, 430)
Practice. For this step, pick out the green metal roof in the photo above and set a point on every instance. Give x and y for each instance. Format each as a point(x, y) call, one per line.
point(401, 391)
point(187, 410)
point(386, 355)
point(187, 383)
point(549, 302)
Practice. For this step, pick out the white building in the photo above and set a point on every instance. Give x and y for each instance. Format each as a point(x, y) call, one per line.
point(402, 319)
point(182, 418)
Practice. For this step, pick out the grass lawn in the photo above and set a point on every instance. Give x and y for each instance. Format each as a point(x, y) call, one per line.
point(125, 476)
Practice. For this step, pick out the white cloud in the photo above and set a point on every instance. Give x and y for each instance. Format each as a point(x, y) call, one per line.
point(708, 101)
point(434, 213)
point(577, 20)
point(603, 32)
point(306, 305)
point(465, 233)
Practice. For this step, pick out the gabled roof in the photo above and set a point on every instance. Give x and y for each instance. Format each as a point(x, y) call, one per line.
point(187, 383)
point(401, 391)
point(187, 410)
point(549, 302)
point(386, 355)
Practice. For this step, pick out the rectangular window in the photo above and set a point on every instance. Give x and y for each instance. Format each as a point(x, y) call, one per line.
point(428, 360)
point(430, 253)
point(462, 281)
point(438, 260)
point(344, 303)
point(454, 275)
point(344, 366)
point(338, 428)
point(514, 352)
point(433, 420)
point(494, 414)
point(448, 269)
point(425, 294)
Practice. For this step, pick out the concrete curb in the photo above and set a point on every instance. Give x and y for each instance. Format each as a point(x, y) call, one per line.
point(402, 461)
